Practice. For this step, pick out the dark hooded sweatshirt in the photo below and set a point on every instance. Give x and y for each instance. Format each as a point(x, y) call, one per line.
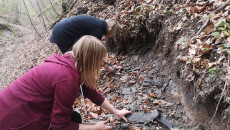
point(66, 32)
point(44, 95)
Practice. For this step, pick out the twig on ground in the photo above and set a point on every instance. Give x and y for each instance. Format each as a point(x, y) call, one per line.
point(203, 27)
point(219, 101)
point(226, 84)
point(221, 7)
point(213, 12)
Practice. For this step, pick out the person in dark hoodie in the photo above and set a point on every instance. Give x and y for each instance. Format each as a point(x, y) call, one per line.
point(66, 32)
point(43, 97)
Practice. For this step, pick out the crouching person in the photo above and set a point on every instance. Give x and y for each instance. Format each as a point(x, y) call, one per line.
point(42, 98)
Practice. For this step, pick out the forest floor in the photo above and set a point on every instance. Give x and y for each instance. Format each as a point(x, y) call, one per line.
point(155, 78)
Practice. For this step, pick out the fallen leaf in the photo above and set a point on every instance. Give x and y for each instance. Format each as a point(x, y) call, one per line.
point(196, 59)
point(132, 128)
point(183, 58)
point(148, 1)
point(209, 29)
point(197, 9)
point(199, 81)
point(93, 115)
point(153, 95)
point(146, 110)
point(228, 73)
point(131, 83)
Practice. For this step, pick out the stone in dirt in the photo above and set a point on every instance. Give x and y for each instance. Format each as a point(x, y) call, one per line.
point(142, 117)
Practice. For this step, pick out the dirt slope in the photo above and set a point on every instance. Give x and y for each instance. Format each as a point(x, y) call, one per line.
point(152, 73)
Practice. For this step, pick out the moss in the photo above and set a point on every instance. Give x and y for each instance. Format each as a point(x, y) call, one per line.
point(2, 45)
point(6, 27)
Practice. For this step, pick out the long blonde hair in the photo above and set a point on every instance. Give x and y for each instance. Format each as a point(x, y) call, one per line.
point(112, 27)
point(89, 53)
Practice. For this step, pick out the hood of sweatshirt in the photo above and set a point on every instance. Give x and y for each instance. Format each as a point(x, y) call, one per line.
point(66, 60)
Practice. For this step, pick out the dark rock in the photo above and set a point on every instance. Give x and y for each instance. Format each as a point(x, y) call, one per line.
point(141, 117)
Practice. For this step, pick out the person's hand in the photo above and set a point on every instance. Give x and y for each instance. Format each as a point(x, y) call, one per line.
point(122, 113)
point(101, 126)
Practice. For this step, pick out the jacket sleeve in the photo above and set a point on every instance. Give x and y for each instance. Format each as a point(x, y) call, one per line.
point(93, 95)
point(64, 96)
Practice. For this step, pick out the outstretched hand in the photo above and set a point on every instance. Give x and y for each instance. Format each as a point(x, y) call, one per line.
point(122, 113)
point(102, 126)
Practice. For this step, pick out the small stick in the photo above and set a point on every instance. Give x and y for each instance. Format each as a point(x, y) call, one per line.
point(226, 84)
point(214, 12)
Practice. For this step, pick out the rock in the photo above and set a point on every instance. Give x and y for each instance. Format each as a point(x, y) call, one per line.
point(164, 121)
point(128, 90)
point(141, 117)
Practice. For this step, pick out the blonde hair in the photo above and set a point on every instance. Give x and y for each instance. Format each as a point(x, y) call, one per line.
point(112, 27)
point(89, 53)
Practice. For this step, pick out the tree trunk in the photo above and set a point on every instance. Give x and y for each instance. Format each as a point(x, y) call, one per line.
point(48, 10)
point(41, 15)
point(30, 18)
point(16, 17)
point(53, 8)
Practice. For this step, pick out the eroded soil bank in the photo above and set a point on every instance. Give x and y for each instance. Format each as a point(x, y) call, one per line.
point(149, 77)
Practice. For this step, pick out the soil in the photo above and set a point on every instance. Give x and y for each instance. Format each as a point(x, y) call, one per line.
point(149, 77)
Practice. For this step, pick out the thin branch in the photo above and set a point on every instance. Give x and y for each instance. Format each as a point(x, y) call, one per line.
point(225, 85)
point(38, 15)
point(53, 8)
point(63, 15)
point(14, 10)
point(213, 12)
point(203, 27)
point(30, 18)
point(48, 10)
point(221, 7)
point(43, 21)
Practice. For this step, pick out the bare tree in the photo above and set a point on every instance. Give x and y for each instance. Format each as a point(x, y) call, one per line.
point(41, 15)
point(30, 18)
point(53, 8)
point(36, 11)
point(48, 10)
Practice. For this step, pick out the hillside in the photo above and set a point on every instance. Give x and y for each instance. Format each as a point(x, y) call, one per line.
point(172, 59)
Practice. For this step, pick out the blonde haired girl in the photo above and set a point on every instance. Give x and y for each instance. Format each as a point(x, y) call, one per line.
point(43, 97)
point(89, 53)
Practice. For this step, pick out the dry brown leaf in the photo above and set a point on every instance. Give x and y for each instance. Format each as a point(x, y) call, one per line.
point(228, 73)
point(93, 115)
point(131, 83)
point(148, 1)
point(197, 71)
point(209, 29)
point(205, 62)
point(196, 60)
point(197, 9)
point(147, 101)
point(143, 128)
point(146, 110)
point(153, 95)
point(133, 128)
point(205, 48)
point(184, 59)
point(202, 37)
point(199, 81)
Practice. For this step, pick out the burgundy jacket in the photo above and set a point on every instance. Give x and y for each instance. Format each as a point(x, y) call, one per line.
point(44, 95)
